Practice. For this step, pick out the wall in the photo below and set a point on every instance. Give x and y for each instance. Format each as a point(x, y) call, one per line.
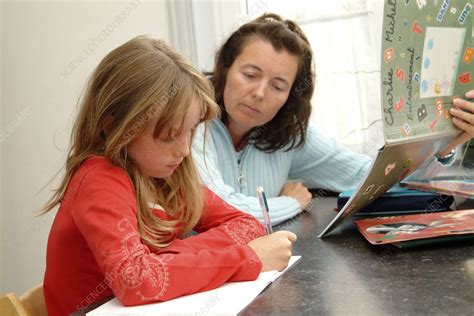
point(48, 51)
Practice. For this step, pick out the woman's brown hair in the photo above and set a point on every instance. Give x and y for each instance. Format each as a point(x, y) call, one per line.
point(289, 125)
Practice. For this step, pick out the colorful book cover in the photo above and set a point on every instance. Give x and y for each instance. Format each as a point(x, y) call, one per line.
point(427, 52)
point(427, 61)
point(407, 228)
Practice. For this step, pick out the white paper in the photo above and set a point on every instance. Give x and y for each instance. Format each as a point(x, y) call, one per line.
point(229, 299)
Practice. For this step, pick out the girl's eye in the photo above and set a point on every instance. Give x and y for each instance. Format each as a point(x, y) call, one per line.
point(248, 75)
point(167, 138)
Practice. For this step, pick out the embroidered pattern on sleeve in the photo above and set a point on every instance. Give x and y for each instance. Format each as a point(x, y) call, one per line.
point(132, 265)
point(243, 230)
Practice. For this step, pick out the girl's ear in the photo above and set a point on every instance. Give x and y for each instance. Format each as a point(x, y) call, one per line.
point(107, 125)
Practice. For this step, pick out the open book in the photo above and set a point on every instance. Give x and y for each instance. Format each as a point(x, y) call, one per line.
point(229, 299)
point(462, 188)
point(427, 61)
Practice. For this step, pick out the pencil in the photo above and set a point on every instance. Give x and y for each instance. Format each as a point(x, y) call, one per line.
point(264, 205)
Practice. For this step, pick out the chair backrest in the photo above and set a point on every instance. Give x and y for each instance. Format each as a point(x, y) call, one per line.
point(10, 305)
point(31, 303)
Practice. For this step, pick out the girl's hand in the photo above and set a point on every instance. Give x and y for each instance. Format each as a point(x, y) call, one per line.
point(274, 250)
point(297, 191)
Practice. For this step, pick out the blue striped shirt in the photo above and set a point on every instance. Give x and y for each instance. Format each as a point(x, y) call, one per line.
point(320, 163)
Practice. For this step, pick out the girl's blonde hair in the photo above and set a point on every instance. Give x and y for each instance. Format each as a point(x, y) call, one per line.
point(135, 82)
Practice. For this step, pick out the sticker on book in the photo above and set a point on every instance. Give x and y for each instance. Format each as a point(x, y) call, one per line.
point(468, 55)
point(399, 105)
point(406, 129)
point(400, 74)
point(441, 44)
point(421, 3)
point(442, 11)
point(439, 107)
point(465, 78)
point(416, 77)
point(389, 168)
point(389, 54)
point(416, 28)
point(447, 114)
point(465, 13)
point(421, 113)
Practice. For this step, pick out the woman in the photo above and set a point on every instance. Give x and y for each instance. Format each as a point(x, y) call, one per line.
point(264, 83)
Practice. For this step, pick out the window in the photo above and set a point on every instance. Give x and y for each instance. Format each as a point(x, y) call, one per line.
point(345, 37)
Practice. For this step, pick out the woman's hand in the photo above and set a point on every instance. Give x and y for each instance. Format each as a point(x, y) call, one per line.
point(463, 118)
point(297, 191)
point(274, 250)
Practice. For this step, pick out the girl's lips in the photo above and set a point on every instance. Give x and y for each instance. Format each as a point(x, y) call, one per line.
point(174, 166)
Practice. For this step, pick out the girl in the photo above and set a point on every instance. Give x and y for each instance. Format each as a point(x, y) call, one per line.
point(131, 192)
point(264, 81)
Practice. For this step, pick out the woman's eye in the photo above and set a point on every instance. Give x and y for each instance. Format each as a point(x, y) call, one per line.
point(249, 75)
point(278, 88)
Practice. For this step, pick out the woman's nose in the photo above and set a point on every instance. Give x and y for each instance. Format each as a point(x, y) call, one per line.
point(259, 90)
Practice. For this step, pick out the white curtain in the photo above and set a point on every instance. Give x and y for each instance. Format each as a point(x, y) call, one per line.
point(345, 37)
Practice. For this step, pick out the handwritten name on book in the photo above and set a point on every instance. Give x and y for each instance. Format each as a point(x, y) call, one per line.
point(391, 20)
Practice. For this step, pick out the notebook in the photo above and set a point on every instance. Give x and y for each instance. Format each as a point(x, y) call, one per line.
point(229, 299)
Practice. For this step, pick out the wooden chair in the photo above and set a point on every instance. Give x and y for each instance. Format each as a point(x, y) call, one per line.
point(10, 305)
point(31, 303)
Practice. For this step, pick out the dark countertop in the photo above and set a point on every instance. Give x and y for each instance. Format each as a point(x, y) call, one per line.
point(343, 274)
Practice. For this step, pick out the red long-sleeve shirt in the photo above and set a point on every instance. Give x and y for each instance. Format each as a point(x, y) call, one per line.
point(94, 249)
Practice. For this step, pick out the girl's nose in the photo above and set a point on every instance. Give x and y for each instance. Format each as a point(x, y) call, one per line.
point(183, 146)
